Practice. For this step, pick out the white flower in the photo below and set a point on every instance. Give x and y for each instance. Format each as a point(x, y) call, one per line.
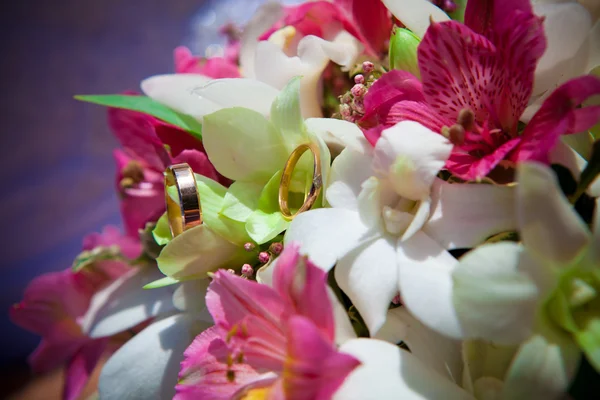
point(392, 221)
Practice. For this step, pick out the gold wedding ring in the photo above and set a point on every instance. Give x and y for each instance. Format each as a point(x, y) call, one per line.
point(182, 199)
point(317, 182)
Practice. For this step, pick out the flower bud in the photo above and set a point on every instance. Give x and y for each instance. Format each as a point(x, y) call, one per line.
point(403, 51)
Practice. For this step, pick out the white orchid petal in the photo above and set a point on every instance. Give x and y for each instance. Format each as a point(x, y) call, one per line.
point(147, 366)
point(339, 133)
point(567, 26)
point(410, 155)
point(389, 373)
point(326, 234)
point(369, 276)
point(549, 226)
point(415, 14)
point(497, 290)
point(544, 365)
point(125, 304)
point(348, 172)
point(437, 351)
point(420, 218)
point(463, 216)
point(425, 281)
point(190, 295)
point(343, 327)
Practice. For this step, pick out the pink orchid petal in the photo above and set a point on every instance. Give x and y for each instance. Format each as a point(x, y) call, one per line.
point(372, 19)
point(373, 134)
point(199, 163)
point(415, 111)
point(483, 15)
point(468, 167)
point(112, 236)
point(80, 368)
point(304, 286)
point(559, 115)
point(214, 67)
point(314, 369)
point(204, 370)
point(52, 353)
point(176, 138)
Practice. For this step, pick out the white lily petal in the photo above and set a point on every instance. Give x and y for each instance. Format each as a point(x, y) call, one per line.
point(263, 19)
point(238, 92)
point(326, 234)
point(147, 366)
point(339, 134)
point(549, 226)
point(415, 14)
point(497, 290)
point(436, 351)
point(411, 155)
point(274, 67)
point(348, 172)
point(567, 26)
point(544, 365)
point(176, 91)
point(389, 373)
point(425, 281)
point(463, 216)
point(369, 276)
point(125, 304)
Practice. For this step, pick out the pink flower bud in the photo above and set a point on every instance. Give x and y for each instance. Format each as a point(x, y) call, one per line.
point(368, 67)
point(359, 79)
point(264, 257)
point(345, 111)
point(231, 271)
point(276, 248)
point(249, 246)
point(359, 90)
point(247, 270)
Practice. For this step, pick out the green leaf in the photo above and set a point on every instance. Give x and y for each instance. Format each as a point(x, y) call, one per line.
point(594, 101)
point(286, 115)
point(589, 341)
point(403, 51)
point(589, 174)
point(166, 281)
point(267, 221)
point(162, 232)
point(241, 200)
point(212, 199)
point(148, 106)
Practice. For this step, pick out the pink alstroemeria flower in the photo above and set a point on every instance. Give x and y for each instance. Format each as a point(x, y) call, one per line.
point(213, 67)
point(368, 21)
point(144, 158)
point(477, 81)
point(54, 304)
point(272, 343)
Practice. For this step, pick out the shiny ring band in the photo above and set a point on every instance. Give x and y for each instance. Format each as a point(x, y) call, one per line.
point(182, 199)
point(286, 178)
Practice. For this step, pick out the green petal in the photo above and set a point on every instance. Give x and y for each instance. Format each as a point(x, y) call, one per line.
point(589, 341)
point(147, 106)
point(166, 281)
point(198, 251)
point(162, 232)
point(243, 145)
point(212, 199)
point(267, 222)
point(403, 51)
point(286, 115)
point(241, 200)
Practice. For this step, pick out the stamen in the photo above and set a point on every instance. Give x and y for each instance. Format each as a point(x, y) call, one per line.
point(466, 118)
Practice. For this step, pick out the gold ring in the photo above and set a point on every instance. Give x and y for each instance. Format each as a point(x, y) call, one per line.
point(317, 182)
point(182, 199)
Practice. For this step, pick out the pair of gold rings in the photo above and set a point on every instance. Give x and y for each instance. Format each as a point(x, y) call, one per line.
point(183, 200)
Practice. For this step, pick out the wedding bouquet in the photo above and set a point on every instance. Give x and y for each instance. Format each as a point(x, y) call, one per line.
point(354, 199)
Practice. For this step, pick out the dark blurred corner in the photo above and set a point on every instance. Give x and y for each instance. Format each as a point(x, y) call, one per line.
point(57, 168)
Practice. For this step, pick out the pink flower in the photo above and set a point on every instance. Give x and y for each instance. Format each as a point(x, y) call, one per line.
point(54, 304)
point(213, 67)
point(368, 21)
point(286, 332)
point(149, 147)
point(477, 81)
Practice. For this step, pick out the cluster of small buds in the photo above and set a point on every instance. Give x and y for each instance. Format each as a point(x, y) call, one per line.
point(247, 271)
point(352, 106)
point(276, 248)
point(448, 6)
point(264, 257)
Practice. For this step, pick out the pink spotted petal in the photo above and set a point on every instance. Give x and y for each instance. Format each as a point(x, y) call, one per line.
point(176, 138)
point(418, 112)
point(203, 373)
point(112, 236)
point(468, 167)
point(215, 67)
point(483, 16)
point(373, 134)
point(199, 163)
point(304, 287)
point(81, 366)
point(314, 369)
point(372, 19)
point(559, 115)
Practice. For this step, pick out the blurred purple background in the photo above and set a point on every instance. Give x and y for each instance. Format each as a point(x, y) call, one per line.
point(56, 155)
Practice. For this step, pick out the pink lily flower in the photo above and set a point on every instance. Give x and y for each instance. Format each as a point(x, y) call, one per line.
point(149, 147)
point(277, 342)
point(55, 303)
point(477, 80)
point(213, 67)
point(369, 22)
